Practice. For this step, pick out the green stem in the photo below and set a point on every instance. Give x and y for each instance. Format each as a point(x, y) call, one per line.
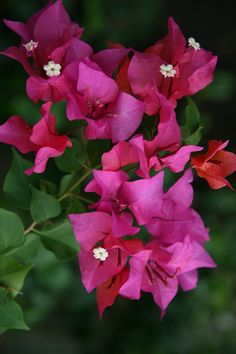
point(84, 142)
point(86, 200)
point(75, 185)
point(30, 228)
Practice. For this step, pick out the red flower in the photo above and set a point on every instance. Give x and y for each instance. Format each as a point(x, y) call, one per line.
point(215, 164)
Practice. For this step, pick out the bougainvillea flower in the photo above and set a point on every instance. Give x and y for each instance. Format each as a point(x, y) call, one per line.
point(43, 138)
point(110, 113)
point(170, 67)
point(159, 270)
point(126, 153)
point(108, 185)
point(144, 197)
point(148, 202)
point(149, 154)
point(103, 256)
point(175, 220)
point(215, 164)
point(52, 41)
point(146, 152)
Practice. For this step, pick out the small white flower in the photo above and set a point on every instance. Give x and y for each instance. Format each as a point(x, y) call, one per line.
point(100, 253)
point(52, 69)
point(31, 46)
point(193, 43)
point(167, 70)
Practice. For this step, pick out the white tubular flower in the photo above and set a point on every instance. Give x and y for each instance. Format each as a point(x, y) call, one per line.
point(167, 70)
point(100, 253)
point(52, 69)
point(31, 46)
point(192, 43)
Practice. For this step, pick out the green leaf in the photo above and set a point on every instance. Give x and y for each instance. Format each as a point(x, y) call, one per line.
point(194, 138)
point(60, 241)
point(11, 231)
point(192, 129)
point(95, 149)
point(43, 206)
point(75, 206)
point(73, 158)
point(11, 315)
point(48, 187)
point(16, 185)
point(66, 182)
point(12, 274)
point(27, 252)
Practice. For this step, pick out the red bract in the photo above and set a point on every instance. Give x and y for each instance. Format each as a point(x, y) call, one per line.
point(108, 292)
point(215, 164)
point(171, 68)
point(43, 138)
point(110, 113)
point(52, 41)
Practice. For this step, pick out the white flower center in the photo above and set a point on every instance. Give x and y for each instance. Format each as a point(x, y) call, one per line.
point(167, 70)
point(31, 46)
point(193, 43)
point(100, 253)
point(52, 69)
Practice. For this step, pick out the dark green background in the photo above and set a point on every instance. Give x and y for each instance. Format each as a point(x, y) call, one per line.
point(62, 316)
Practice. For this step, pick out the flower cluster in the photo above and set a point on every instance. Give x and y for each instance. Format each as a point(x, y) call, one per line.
point(139, 237)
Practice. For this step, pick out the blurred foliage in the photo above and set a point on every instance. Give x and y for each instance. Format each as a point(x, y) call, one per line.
point(63, 317)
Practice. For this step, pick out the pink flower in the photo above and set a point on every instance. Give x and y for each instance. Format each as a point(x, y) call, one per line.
point(110, 114)
point(53, 42)
point(108, 186)
point(43, 138)
point(101, 256)
point(144, 198)
point(148, 202)
point(170, 68)
point(175, 219)
point(159, 270)
point(148, 153)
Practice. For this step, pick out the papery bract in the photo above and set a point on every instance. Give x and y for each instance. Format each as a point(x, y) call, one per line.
point(43, 138)
point(215, 164)
point(110, 114)
point(175, 219)
point(108, 291)
point(108, 186)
